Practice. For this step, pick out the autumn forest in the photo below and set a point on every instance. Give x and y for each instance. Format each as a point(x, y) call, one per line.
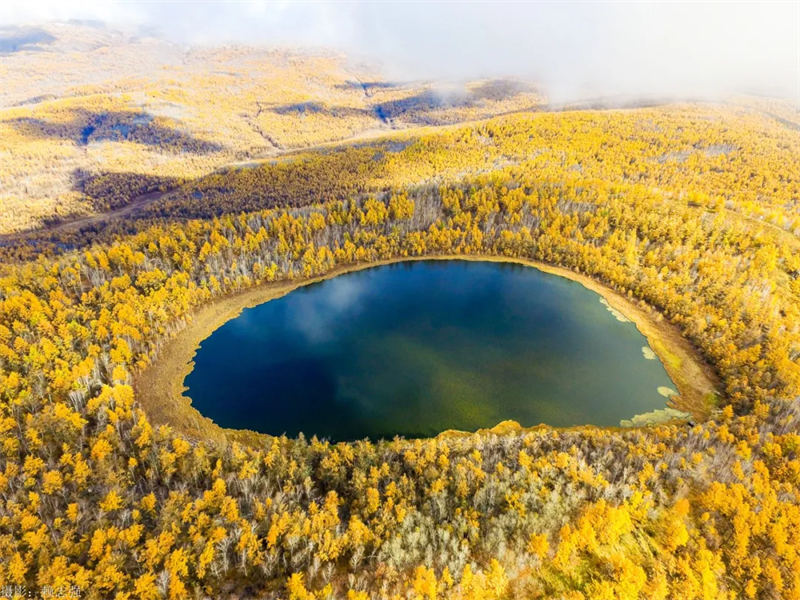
point(137, 211)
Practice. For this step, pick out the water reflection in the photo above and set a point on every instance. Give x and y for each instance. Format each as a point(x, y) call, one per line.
point(416, 348)
point(315, 315)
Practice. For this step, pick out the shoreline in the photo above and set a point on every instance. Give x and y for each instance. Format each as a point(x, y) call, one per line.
point(160, 389)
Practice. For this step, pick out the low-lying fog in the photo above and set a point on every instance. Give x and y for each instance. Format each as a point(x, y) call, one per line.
point(576, 50)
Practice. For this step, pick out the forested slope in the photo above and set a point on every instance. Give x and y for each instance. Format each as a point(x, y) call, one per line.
point(689, 208)
point(91, 118)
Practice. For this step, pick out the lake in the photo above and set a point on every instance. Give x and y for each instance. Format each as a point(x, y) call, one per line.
point(416, 348)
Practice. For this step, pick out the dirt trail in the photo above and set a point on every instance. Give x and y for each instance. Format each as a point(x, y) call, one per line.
point(390, 130)
point(143, 200)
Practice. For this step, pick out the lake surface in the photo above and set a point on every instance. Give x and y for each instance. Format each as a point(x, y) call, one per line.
point(415, 348)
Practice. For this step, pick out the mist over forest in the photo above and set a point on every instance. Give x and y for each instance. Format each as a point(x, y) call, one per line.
point(575, 51)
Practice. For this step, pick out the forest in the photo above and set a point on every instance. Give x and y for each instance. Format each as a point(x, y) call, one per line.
point(691, 209)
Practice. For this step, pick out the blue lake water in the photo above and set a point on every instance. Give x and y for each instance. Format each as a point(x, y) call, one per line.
point(416, 348)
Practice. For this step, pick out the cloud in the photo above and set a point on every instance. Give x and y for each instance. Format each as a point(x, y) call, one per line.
point(577, 49)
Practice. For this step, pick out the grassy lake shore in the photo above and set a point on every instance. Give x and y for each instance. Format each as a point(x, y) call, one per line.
point(160, 388)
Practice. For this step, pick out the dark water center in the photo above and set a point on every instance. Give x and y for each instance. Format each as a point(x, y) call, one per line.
point(419, 347)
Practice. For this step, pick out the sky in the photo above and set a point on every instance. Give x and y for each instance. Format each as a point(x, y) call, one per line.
point(574, 49)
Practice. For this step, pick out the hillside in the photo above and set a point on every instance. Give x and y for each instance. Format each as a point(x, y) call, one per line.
point(687, 210)
point(86, 107)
